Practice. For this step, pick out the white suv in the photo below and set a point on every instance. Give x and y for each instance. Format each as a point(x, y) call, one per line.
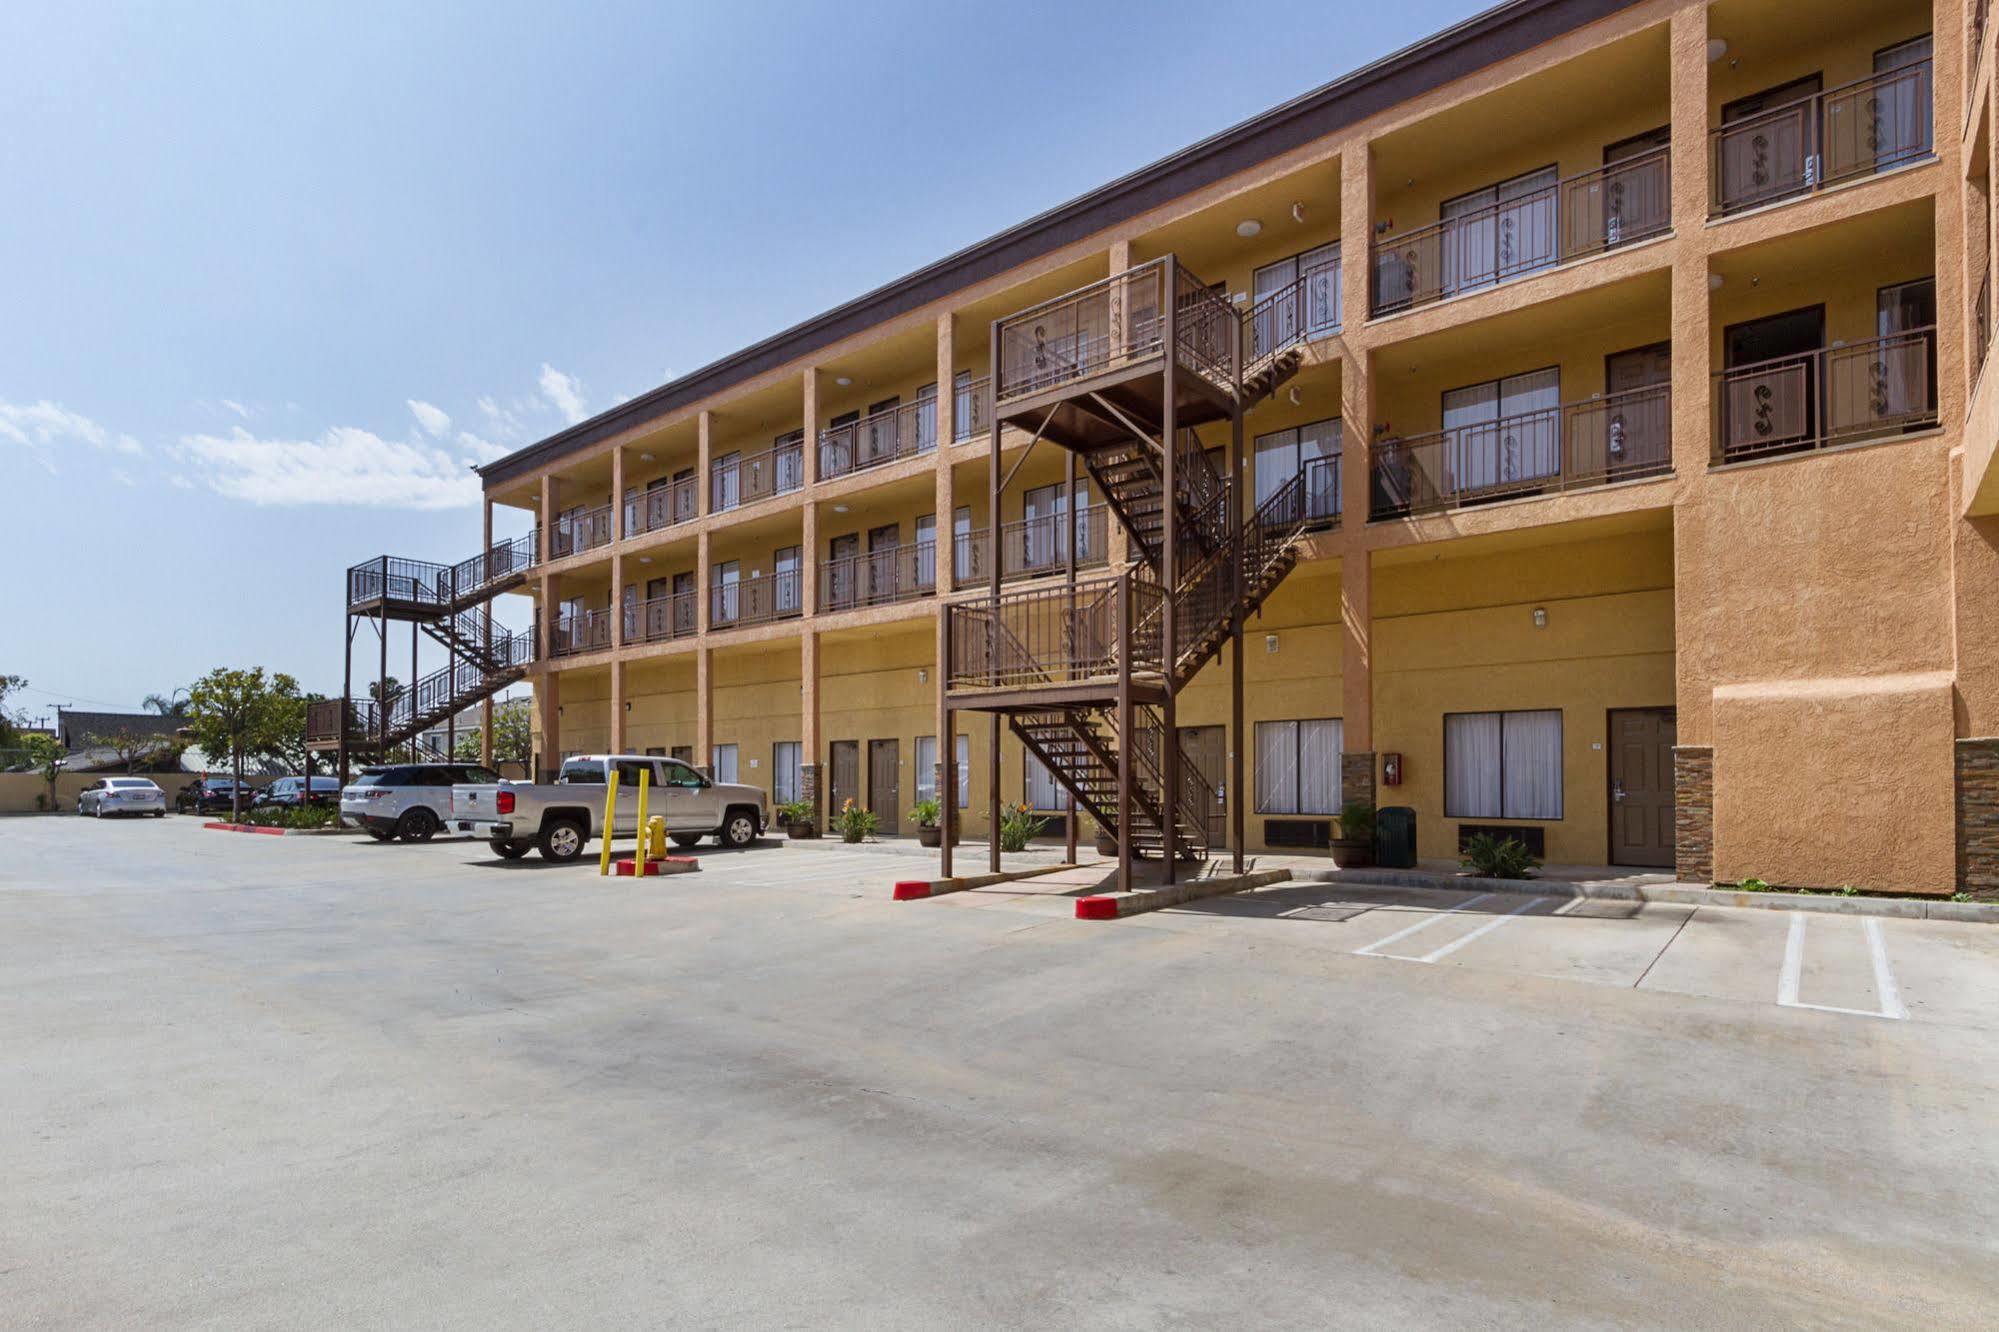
point(406, 800)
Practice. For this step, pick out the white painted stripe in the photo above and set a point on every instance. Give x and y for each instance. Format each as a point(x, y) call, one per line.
point(1568, 906)
point(1422, 924)
point(1794, 962)
point(1439, 954)
point(1885, 988)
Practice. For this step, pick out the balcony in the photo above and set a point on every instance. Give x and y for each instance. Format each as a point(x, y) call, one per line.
point(1305, 308)
point(1055, 636)
point(1837, 395)
point(661, 619)
point(1035, 547)
point(661, 507)
point(424, 585)
point(878, 578)
point(735, 480)
point(886, 436)
point(1616, 437)
point(973, 410)
point(1818, 141)
point(755, 601)
point(1597, 211)
point(580, 530)
point(1116, 325)
point(580, 631)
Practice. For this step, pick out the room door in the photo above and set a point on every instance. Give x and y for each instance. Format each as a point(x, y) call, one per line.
point(1205, 748)
point(885, 783)
point(1641, 786)
point(842, 571)
point(1770, 393)
point(846, 765)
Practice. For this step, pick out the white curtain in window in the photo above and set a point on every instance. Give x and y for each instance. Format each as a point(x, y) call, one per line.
point(964, 748)
point(926, 767)
point(1319, 448)
point(1321, 270)
point(784, 780)
point(1277, 767)
point(1319, 766)
point(1276, 462)
point(1471, 765)
point(1533, 765)
point(1043, 791)
point(725, 763)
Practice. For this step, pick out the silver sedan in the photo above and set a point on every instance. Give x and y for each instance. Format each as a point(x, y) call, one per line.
point(122, 795)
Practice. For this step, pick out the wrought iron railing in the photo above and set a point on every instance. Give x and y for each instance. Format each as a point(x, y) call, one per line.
point(1856, 130)
point(1304, 308)
point(661, 507)
point(1835, 395)
point(1114, 323)
point(580, 530)
point(659, 619)
point(736, 479)
point(1615, 437)
point(878, 578)
point(972, 413)
point(1054, 635)
point(426, 583)
point(580, 631)
point(755, 600)
point(1586, 214)
point(1035, 547)
point(502, 561)
point(882, 437)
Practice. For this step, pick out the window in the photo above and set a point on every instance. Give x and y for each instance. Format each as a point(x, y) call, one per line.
point(1500, 231)
point(926, 769)
point(1504, 430)
point(784, 771)
point(963, 410)
point(725, 482)
point(1311, 450)
point(679, 773)
point(574, 772)
point(1041, 534)
point(926, 418)
point(789, 456)
point(1503, 765)
point(1314, 314)
point(785, 580)
point(722, 603)
point(1298, 766)
point(1044, 793)
point(725, 763)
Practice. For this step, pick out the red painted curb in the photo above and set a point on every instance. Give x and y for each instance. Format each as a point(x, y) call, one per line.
point(245, 827)
point(1096, 908)
point(908, 890)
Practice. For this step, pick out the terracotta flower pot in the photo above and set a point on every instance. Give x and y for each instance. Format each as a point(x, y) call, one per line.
point(929, 834)
point(1353, 852)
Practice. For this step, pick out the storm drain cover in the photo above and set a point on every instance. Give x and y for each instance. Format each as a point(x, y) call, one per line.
point(1332, 914)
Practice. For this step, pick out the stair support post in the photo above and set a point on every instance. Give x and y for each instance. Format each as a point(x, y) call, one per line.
point(1124, 734)
point(1069, 547)
point(993, 584)
point(1237, 745)
point(1169, 572)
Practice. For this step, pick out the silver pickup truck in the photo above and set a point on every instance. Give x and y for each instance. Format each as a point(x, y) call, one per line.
point(562, 817)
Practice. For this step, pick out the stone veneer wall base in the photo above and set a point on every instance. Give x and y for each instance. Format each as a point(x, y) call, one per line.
point(1978, 817)
point(1693, 813)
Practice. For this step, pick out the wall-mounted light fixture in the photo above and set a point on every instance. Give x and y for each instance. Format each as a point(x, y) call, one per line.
point(1270, 642)
point(1295, 396)
point(1298, 212)
point(1540, 617)
point(628, 706)
point(923, 675)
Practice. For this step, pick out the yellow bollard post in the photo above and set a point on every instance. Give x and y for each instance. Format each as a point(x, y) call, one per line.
point(639, 830)
point(610, 812)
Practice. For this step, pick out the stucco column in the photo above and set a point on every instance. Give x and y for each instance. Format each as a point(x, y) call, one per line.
point(1356, 388)
point(808, 722)
point(944, 558)
point(809, 414)
point(1117, 546)
point(617, 494)
point(808, 558)
point(1687, 92)
point(617, 706)
point(617, 600)
point(548, 720)
point(1357, 675)
point(704, 709)
point(702, 594)
point(704, 438)
point(545, 620)
point(545, 531)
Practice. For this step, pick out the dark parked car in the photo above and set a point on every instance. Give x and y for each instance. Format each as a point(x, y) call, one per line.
point(285, 792)
point(212, 795)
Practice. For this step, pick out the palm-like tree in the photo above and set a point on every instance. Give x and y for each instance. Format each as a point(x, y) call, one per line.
point(166, 705)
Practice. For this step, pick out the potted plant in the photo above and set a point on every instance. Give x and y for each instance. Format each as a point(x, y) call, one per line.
point(1106, 841)
point(928, 815)
point(1018, 825)
point(855, 824)
point(796, 816)
point(1354, 846)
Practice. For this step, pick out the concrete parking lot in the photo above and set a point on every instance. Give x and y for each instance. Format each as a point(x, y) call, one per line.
point(321, 1081)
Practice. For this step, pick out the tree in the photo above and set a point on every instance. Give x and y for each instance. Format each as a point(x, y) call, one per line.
point(166, 705)
point(131, 746)
point(239, 713)
point(45, 752)
point(512, 735)
point(9, 732)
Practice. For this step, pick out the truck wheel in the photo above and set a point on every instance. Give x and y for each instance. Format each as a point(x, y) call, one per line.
point(739, 829)
point(512, 850)
point(686, 839)
point(418, 825)
point(561, 841)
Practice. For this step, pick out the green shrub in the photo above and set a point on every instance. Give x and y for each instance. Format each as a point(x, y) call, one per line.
point(926, 813)
point(794, 811)
point(1752, 886)
point(1017, 825)
point(855, 824)
point(1497, 857)
point(276, 816)
point(1357, 820)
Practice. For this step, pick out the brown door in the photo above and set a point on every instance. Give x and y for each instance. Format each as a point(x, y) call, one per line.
point(846, 756)
point(1202, 746)
point(1641, 787)
point(884, 783)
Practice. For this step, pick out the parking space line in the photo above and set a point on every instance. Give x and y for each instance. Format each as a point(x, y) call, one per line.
point(1424, 923)
point(1439, 954)
point(1792, 973)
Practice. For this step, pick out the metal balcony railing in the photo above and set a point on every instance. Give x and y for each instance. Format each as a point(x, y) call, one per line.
point(1616, 437)
point(878, 578)
point(661, 507)
point(736, 480)
point(1054, 635)
point(580, 631)
point(1586, 214)
point(755, 600)
point(1304, 308)
point(1803, 146)
point(579, 531)
point(972, 413)
point(885, 436)
point(1835, 395)
point(1035, 547)
point(658, 619)
point(1981, 324)
point(425, 583)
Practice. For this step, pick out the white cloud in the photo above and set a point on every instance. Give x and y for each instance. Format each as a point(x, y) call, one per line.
point(179, 482)
point(434, 419)
point(44, 424)
point(237, 408)
point(345, 465)
point(564, 391)
point(479, 450)
point(123, 477)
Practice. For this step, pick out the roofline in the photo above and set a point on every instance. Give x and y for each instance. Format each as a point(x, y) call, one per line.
point(1484, 39)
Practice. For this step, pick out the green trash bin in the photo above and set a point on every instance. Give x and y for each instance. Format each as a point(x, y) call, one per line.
point(1395, 837)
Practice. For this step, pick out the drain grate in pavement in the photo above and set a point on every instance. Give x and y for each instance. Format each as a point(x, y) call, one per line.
point(1331, 914)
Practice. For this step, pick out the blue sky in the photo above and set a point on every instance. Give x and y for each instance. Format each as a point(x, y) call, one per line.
point(274, 275)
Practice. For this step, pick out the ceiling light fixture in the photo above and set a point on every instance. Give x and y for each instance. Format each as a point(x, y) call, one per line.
point(839, 508)
point(843, 381)
point(1717, 47)
point(645, 457)
point(1248, 227)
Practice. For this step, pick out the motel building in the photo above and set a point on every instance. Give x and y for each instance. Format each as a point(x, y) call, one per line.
point(1576, 424)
